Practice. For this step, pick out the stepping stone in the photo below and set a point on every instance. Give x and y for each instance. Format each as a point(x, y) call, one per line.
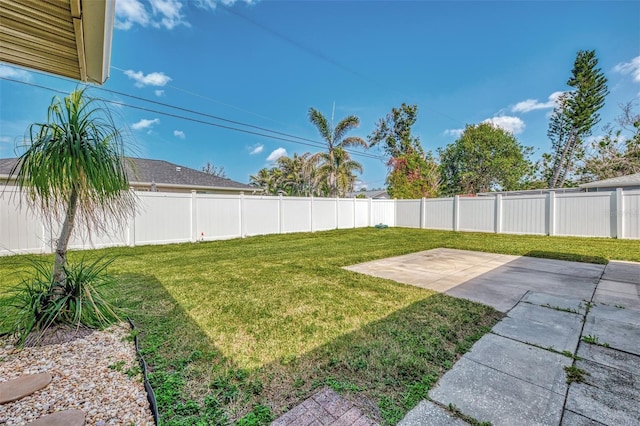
point(13, 390)
point(61, 418)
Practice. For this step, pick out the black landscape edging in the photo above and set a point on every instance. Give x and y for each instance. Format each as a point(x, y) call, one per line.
point(151, 396)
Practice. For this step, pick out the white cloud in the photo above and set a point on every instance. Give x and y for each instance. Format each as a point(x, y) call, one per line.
point(169, 11)
point(15, 73)
point(454, 132)
point(511, 124)
point(211, 4)
point(256, 149)
point(632, 68)
point(159, 93)
point(162, 13)
point(5, 139)
point(144, 124)
point(179, 134)
point(151, 79)
point(129, 12)
point(277, 153)
point(533, 104)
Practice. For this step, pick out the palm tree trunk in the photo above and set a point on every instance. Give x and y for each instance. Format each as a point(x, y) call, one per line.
point(60, 262)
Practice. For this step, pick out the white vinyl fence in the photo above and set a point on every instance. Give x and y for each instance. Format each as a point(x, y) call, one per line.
point(183, 217)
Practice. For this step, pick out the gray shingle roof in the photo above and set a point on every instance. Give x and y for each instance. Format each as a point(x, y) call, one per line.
point(145, 171)
point(620, 181)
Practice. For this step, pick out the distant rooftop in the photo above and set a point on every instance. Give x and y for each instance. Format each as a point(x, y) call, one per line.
point(144, 172)
point(616, 182)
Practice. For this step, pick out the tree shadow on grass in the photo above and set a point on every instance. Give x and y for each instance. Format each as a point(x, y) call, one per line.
point(387, 366)
point(192, 379)
point(567, 256)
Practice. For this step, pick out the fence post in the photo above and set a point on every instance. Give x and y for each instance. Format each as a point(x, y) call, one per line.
point(498, 224)
point(241, 201)
point(551, 213)
point(337, 213)
point(370, 211)
point(354, 212)
point(280, 214)
point(194, 217)
point(132, 228)
point(311, 213)
point(456, 212)
point(423, 212)
point(619, 216)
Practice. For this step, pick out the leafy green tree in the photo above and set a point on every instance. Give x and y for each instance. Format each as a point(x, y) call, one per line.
point(335, 137)
point(575, 116)
point(412, 172)
point(394, 132)
point(484, 158)
point(74, 169)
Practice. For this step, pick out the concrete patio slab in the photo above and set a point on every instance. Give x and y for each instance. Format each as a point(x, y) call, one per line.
point(620, 287)
point(553, 301)
point(545, 335)
point(615, 298)
point(618, 335)
point(546, 315)
point(562, 267)
point(490, 395)
point(610, 357)
point(569, 418)
point(428, 413)
point(525, 362)
point(610, 396)
point(615, 313)
point(622, 271)
point(509, 377)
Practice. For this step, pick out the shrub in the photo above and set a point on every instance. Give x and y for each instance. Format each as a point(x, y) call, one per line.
point(38, 302)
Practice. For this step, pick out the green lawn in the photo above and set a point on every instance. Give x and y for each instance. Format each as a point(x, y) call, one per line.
point(242, 330)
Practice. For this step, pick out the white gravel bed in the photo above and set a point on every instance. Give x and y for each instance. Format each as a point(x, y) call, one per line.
point(98, 374)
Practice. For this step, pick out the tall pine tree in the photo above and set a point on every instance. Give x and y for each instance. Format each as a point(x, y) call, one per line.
point(575, 115)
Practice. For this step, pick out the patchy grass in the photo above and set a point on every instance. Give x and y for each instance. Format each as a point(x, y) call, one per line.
point(239, 331)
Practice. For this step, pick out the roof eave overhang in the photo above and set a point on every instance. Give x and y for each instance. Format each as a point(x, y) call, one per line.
point(194, 187)
point(71, 38)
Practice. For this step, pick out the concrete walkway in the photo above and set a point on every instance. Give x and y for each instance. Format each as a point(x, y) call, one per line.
point(559, 315)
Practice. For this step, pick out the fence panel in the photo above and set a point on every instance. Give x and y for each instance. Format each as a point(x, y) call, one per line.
point(346, 213)
point(631, 214)
point(163, 218)
point(585, 214)
point(362, 213)
point(261, 215)
point(324, 214)
point(524, 214)
point(217, 216)
point(438, 213)
point(384, 212)
point(20, 231)
point(296, 215)
point(477, 214)
point(408, 213)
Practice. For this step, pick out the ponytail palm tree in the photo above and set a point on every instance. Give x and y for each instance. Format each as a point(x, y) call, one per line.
point(335, 139)
point(73, 169)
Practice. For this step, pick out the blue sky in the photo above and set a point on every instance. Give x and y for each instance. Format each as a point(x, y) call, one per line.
point(264, 63)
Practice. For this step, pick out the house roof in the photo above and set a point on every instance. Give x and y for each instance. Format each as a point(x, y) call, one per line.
point(616, 182)
point(70, 38)
point(378, 193)
point(144, 172)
